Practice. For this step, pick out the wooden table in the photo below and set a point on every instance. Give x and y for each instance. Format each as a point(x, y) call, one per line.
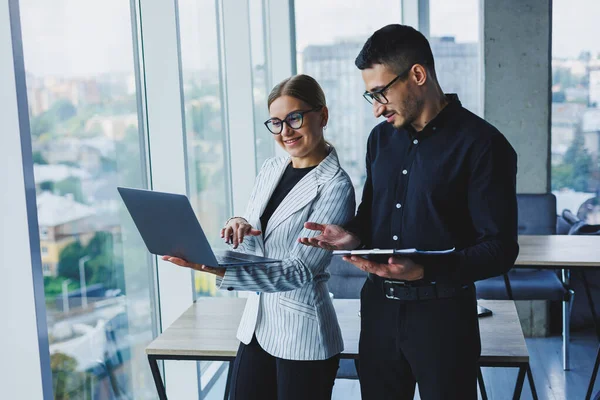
point(559, 251)
point(566, 252)
point(206, 331)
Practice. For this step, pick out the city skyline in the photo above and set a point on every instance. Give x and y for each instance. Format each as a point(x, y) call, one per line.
point(55, 48)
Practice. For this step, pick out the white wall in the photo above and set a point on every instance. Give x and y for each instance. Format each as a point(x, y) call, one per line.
point(23, 349)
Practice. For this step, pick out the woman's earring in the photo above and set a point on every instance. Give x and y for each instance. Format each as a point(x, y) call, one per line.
point(325, 128)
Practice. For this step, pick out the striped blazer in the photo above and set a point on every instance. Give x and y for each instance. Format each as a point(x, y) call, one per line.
point(292, 314)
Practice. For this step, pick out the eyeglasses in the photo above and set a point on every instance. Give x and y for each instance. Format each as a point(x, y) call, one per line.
point(378, 95)
point(294, 120)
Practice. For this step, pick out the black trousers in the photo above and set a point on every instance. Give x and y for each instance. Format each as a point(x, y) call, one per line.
point(261, 376)
point(433, 342)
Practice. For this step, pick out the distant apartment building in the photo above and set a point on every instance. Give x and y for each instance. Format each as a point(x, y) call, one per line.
point(61, 221)
point(594, 88)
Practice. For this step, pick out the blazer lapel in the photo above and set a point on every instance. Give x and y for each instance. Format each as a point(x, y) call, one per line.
point(300, 195)
point(303, 193)
point(277, 168)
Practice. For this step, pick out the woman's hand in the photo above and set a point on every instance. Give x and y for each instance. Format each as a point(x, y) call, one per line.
point(236, 229)
point(198, 267)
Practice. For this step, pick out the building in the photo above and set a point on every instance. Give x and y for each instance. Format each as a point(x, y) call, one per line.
point(61, 221)
point(458, 68)
point(594, 88)
point(566, 118)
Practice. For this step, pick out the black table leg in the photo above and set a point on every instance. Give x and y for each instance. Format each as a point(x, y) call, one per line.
point(531, 383)
point(588, 396)
point(588, 293)
point(481, 385)
point(160, 387)
point(520, 381)
point(228, 383)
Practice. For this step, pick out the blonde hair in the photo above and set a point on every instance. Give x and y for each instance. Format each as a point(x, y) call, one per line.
point(301, 87)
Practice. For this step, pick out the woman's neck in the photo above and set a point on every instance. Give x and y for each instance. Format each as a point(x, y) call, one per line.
point(313, 158)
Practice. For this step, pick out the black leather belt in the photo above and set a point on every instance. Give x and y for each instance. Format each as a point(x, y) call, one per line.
point(409, 291)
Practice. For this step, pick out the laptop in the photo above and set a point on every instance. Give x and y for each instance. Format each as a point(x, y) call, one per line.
point(168, 226)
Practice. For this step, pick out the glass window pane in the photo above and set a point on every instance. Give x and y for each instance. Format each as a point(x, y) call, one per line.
point(207, 152)
point(205, 128)
point(576, 108)
point(454, 38)
point(84, 112)
point(327, 54)
point(261, 86)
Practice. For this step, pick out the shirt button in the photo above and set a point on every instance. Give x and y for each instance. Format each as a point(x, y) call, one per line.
point(398, 205)
point(404, 172)
point(434, 128)
point(395, 237)
point(415, 141)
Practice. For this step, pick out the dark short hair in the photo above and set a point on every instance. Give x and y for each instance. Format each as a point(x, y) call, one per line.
point(398, 47)
point(301, 87)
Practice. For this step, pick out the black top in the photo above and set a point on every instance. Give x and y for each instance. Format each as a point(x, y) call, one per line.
point(290, 178)
point(453, 184)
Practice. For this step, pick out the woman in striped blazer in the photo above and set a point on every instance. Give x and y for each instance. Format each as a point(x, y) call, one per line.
point(289, 333)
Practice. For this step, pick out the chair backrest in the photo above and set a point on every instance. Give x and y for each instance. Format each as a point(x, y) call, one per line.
point(346, 280)
point(537, 214)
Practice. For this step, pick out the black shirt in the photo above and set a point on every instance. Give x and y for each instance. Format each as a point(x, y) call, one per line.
point(290, 178)
point(453, 184)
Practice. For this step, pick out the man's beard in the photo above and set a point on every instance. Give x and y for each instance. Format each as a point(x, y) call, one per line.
point(411, 108)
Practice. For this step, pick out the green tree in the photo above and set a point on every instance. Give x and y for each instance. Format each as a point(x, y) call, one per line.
point(47, 186)
point(580, 161)
point(68, 260)
point(53, 286)
point(561, 176)
point(38, 158)
point(68, 383)
point(62, 110)
point(105, 266)
point(70, 185)
point(41, 124)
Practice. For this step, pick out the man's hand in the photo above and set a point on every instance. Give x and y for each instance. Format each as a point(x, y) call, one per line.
point(332, 237)
point(397, 268)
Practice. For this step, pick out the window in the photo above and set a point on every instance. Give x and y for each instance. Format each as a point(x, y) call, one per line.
point(206, 140)
point(44, 250)
point(84, 112)
point(327, 54)
point(206, 146)
point(261, 85)
point(576, 108)
point(454, 39)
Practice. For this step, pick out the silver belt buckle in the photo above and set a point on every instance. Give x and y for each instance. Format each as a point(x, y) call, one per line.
point(392, 283)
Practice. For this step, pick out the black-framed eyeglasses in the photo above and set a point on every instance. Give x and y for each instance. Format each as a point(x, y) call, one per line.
point(378, 95)
point(294, 120)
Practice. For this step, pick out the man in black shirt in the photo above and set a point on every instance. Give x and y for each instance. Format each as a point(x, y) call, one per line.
point(438, 177)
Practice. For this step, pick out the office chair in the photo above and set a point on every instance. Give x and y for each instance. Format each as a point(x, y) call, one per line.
point(537, 216)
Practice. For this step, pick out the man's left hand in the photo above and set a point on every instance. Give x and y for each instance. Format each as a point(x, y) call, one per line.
point(397, 268)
